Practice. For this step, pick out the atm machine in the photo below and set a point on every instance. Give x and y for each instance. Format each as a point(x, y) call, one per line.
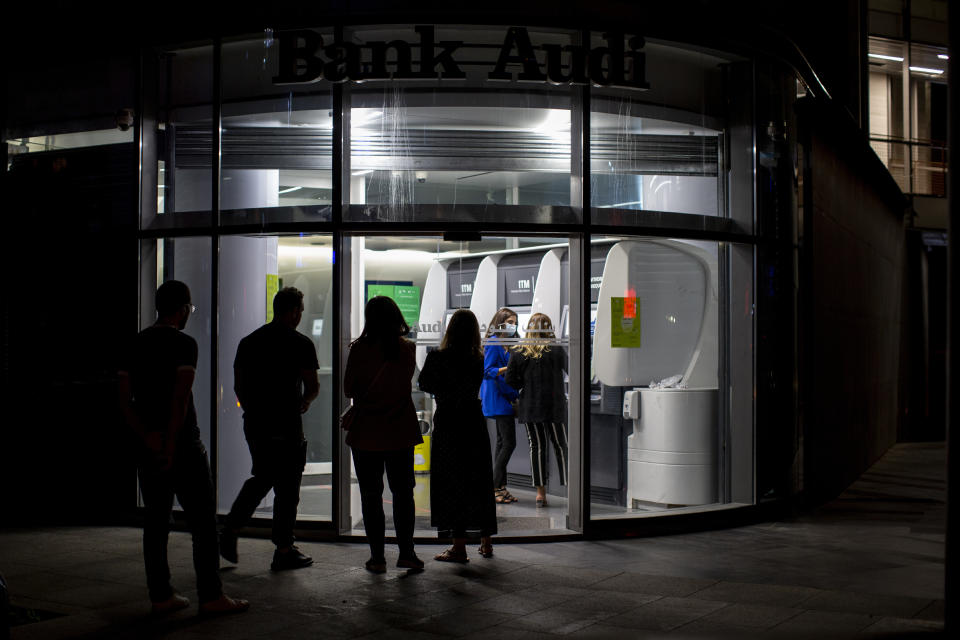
point(530, 282)
point(608, 428)
point(672, 449)
point(449, 286)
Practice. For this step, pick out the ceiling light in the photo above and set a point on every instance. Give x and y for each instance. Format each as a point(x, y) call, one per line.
point(556, 123)
point(943, 56)
point(290, 190)
point(361, 172)
point(620, 205)
point(362, 116)
point(935, 72)
point(880, 56)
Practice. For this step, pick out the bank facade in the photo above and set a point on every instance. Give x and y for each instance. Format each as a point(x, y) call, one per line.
point(641, 192)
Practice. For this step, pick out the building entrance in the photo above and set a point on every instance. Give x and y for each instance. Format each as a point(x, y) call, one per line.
point(430, 279)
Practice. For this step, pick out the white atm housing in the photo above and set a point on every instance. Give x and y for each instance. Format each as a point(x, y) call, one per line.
point(672, 453)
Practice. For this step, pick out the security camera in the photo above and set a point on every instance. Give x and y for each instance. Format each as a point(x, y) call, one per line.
point(421, 176)
point(124, 119)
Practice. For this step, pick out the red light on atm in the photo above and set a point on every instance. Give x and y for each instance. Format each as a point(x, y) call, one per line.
point(630, 303)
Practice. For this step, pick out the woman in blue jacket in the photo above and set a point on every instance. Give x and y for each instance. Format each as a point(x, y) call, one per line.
point(496, 396)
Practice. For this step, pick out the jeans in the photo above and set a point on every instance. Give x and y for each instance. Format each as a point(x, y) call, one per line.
point(278, 465)
point(506, 443)
point(190, 481)
point(399, 466)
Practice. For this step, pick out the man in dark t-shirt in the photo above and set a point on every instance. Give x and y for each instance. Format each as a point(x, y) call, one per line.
point(156, 397)
point(275, 378)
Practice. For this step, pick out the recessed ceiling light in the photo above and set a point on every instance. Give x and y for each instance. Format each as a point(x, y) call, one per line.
point(943, 56)
point(935, 72)
point(880, 56)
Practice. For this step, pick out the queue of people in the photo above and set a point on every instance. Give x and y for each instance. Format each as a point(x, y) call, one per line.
point(275, 373)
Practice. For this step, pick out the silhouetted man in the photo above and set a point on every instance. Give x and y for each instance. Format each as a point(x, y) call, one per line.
point(156, 397)
point(275, 378)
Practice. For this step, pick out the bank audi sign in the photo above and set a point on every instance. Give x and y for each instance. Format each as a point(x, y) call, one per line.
point(304, 57)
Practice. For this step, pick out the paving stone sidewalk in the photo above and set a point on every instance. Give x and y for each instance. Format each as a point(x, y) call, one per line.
point(868, 564)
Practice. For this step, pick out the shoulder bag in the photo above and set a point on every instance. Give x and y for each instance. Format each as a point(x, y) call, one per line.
point(349, 415)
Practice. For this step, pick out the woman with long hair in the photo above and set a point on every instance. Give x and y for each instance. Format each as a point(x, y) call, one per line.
point(385, 428)
point(496, 397)
point(536, 368)
point(461, 505)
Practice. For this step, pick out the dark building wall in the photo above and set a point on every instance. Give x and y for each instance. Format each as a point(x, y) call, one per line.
point(70, 254)
point(852, 275)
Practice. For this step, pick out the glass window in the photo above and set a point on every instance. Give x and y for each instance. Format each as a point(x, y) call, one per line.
point(908, 131)
point(928, 21)
point(657, 425)
point(181, 88)
point(431, 150)
point(430, 279)
point(885, 18)
point(659, 150)
point(252, 270)
point(187, 260)
point(72, 140)
point(277, 139)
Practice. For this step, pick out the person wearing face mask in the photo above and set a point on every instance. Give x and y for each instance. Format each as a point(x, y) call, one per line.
point(496, 397)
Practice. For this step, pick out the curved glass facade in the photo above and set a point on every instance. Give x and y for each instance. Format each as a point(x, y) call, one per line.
point(603, 181)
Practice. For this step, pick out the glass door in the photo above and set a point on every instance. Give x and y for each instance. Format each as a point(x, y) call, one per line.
point(430, 279)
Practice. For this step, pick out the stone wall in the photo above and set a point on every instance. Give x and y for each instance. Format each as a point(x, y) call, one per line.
point(852, 277)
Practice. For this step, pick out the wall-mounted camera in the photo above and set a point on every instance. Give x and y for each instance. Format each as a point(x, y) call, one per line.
point(124, 119)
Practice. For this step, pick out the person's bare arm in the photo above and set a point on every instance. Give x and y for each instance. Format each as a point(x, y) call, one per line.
point(178, 408)
point(311, 388)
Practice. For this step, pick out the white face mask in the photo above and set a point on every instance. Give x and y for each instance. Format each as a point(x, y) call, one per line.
point(509, 329)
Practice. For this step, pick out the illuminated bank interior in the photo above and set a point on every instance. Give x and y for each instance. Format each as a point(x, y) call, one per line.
point(650, 285)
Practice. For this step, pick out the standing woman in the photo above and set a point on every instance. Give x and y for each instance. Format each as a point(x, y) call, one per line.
point(536, 369)
point(460, 477)
point(496, 396)
point(385, 428)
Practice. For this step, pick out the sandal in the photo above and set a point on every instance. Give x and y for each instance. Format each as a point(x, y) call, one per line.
point(541, 502)
point(486, 550)
point(450, 555)
point(502, 496)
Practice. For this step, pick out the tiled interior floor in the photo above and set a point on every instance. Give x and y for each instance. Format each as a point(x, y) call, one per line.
point(868, 563)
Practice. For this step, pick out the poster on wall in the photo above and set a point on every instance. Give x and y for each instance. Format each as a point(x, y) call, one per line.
point(625, 323)
point(273, 286)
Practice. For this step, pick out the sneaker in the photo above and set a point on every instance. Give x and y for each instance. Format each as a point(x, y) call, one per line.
point(410, 562)
point(292, 559)
point(171, 604)
point(375, 565)
point(228, 545)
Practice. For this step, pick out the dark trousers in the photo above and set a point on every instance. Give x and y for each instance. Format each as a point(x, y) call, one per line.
point(538, 433)
point(278, 465)
point(506, 443)
point(399, 466)
point(190, 481)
